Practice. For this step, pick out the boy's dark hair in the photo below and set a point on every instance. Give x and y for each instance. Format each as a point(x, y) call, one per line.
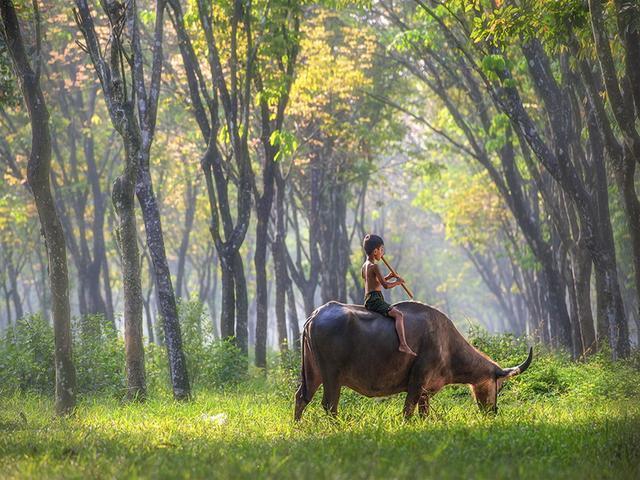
point(371, 242)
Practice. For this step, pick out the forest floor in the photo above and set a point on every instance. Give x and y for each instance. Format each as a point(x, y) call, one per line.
point(558, 420)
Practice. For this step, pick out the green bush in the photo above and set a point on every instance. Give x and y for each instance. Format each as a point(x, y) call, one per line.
point(504, 348)
point(210, 363)
point(226, 365)
point(26, 356)
point(284, 372)
point(99, 356)
point(156, 367)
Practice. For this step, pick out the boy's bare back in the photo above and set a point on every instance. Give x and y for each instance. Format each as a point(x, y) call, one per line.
point(371, 275)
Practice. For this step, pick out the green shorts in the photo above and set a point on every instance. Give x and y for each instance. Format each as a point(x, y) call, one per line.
point(374, 301)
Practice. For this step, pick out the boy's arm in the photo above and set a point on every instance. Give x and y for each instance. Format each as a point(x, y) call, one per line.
point(383, 280)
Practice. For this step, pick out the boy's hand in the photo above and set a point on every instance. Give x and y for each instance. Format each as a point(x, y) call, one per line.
point(389, 276)
point(400, 280)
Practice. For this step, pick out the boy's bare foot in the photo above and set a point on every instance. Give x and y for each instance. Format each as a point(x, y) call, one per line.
point(407, 349)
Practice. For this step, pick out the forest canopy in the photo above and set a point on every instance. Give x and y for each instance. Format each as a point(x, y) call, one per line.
point(235, 154)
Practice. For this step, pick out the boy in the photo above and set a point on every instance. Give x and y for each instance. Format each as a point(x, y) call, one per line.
point(373, 283)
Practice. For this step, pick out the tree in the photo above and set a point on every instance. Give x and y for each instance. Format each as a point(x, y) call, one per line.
point(230, 90)
point(138, 133)
point(118, 96)
point(38, 179)
point(473, 50)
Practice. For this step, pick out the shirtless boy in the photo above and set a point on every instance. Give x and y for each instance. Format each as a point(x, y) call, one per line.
point(374, 281)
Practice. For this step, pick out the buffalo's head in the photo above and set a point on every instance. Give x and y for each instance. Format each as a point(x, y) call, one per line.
point(486, 391)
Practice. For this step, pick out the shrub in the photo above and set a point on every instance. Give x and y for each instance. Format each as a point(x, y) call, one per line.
point(284, 372)
point(27, 356)
point(99, 356)
point(226, 366)
point(504, 348)
point(156, 367)
point(210, 363)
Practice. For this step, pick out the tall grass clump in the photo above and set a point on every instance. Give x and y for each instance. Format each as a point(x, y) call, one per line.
point(211, 363)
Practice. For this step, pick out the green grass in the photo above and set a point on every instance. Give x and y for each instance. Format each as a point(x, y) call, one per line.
point(558, 420)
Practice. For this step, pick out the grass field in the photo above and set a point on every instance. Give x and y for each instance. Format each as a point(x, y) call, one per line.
point(558, 420)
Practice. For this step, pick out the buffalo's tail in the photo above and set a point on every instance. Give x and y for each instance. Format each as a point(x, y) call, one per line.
point(304, 368)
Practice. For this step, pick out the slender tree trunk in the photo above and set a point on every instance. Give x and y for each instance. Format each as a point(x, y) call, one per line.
point(294, 323)
point(280, 266)
point(184, 242)
point(164, 288)
point(262, 301)
point(582, 274)
point(38, 171)
point(123, 201)
point(242, 304)
point(7, 299)
point(13, 282)
point(107, 290)
point(626, 184)
point(280, 301)
point(604, 254)
point(228, 307)
point(123, 118)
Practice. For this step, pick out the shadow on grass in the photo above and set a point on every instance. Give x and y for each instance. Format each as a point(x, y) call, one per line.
point(608, 448)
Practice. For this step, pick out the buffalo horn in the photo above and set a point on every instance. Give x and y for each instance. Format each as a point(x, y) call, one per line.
point(510, 372)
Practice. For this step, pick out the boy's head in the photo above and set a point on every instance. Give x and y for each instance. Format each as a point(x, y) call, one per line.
point(372, 242)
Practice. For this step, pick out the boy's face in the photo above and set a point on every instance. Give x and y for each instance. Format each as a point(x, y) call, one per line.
point(378, 252)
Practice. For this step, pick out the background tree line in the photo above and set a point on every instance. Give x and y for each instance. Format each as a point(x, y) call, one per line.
point(492, 144)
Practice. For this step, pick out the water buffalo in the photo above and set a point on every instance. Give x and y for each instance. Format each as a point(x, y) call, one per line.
point(347, 345)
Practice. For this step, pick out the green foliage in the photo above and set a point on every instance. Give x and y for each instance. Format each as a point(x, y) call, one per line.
point(500, 126)
point(9, 91)
point(553, 374)
point(286, 142)
point(99, 356)
point(210, 363)
point(499, 25)
point(284, 373)
point(227, 365)
point(26, 356)
point(505, 348)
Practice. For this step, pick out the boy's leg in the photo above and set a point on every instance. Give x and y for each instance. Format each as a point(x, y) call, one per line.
point(398, 317)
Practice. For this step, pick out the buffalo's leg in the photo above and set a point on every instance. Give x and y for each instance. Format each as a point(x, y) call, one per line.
point(305, 392)
point(415, 387)
point(413, 396)
point(432, 387)
point(423, 405)
point(304, 395)
point(331, 396)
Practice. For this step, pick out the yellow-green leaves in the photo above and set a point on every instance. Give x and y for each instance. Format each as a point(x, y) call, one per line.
point(286, 142)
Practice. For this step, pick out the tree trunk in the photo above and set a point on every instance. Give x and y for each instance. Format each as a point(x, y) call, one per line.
point(228, 307)
point(123, 201)
point(13, 282)
point(106, 280)
point(294, 324)
point(262, 301)
point(121, 112)
point(280, 266)
point(164, 289)
point(38, 171)
point(242, 304)
point(184, 243)
point(582, 277)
